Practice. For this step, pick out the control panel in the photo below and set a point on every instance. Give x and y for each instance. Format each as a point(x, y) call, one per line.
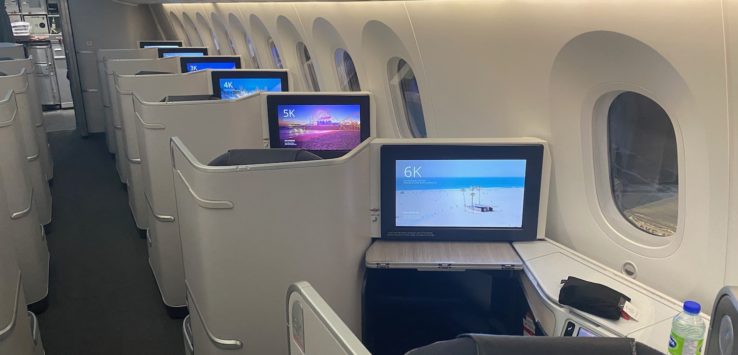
point(573, 329)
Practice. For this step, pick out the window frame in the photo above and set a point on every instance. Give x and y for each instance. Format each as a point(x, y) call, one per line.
point(307, 67)
point(189, 22)
point(399, 101)
point(273, 49)
point(344, 81)
point(203, 22)
point(635, 238)
point(176, 22)
point(220, 26)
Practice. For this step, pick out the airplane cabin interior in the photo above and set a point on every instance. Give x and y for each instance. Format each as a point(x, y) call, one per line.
point(388, 177)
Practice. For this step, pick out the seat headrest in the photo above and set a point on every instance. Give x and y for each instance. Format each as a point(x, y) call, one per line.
point(723, 323)
point(485, 344)
point(262, 156)
point(153, 72)
point(181, 98)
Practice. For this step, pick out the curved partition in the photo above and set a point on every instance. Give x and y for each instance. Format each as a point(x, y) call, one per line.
point(128, 67)
point(147, 88)
point(314, 325)
point(20, 221)
point(15, 331)
point(250, 231)
point(212, 127)
point(15, 67)
point(42, 194)
point(104, 55)
point(12, 50)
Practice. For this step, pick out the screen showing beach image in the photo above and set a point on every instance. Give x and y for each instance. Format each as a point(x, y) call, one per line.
point(460, 193)
point(182, 54)
point(210, 65)
point(233, 88)
point(319, 127)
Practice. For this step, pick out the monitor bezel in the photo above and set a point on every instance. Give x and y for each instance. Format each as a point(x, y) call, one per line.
point(161, 51)
point(183, 61)
point(390, 154)
point(154, 44)
point(273, 101)
point(217, 75)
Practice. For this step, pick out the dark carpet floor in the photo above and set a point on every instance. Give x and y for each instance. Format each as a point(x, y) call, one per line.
point(103, 298)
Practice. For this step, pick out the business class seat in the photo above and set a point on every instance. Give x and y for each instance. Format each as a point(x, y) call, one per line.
point(18, 328)
point(12, 50)
point(21, 221)
point(15, 66)
point(211, 127)
point(254, 221)
point(114, 69)
point(24, 110)
point(122, 98)
point(484, 344)
point(721, 335)
point(262, 156)
point(103, 57)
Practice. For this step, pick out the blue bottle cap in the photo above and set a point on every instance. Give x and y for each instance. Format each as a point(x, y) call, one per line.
point(692, 307)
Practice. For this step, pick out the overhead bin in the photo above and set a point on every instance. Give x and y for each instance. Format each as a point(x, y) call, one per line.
point(21, 221)
point(11, 67)
point(19, 84)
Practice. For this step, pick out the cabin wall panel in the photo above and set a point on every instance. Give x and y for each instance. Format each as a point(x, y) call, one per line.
point(104, 25)
point(529, 68)
point(731, 33)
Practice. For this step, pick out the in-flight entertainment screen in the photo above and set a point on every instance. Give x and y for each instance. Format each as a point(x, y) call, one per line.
point(233, 84)
point(319, 127)
point(460, 192)
point(182, 54)
point(159, 44)
point(190, 64)
point(233, 88)
point(328, 125)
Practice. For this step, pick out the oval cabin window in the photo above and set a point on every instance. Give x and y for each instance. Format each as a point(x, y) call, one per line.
point(348, 79)
point(308, 67)
point(642, 153)
point(252, 52)
point(409, 94)
point(275, 54)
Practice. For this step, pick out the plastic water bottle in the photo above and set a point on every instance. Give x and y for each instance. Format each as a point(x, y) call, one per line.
point(687, 331)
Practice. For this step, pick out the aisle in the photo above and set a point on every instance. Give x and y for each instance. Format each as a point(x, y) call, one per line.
point(103, 298)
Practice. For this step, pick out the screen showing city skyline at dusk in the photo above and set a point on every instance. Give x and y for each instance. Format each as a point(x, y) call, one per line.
point(319, 127)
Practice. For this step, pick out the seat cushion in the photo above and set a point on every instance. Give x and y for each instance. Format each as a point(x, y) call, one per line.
point(262, 156)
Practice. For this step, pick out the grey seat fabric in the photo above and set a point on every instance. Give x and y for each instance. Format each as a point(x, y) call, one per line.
point(262, 156)
point(152, 72)
point(519, 345)
point(180, 98)
point(6, 27)
point(723, 323)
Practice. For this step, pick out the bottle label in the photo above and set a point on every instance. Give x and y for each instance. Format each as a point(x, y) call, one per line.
point(681, 346)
